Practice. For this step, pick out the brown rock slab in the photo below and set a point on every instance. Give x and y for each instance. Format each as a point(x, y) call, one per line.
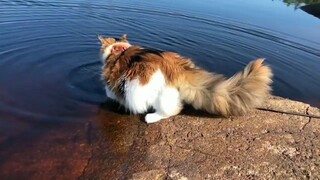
point(313, 111)
point(286, 105)
point(152, 174)
point(193, 145)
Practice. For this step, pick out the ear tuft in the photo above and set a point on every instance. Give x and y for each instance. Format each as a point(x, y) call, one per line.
point(102, 40)
point(124, 37)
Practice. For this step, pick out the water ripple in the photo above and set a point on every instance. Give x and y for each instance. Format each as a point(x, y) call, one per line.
point(56, 40)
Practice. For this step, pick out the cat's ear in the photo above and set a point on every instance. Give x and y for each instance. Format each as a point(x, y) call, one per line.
point(124, 37)
point(102, 40)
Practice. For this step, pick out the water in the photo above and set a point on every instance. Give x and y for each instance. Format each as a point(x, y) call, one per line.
point(49, 62)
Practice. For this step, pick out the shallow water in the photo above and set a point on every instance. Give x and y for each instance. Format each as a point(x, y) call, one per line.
point(49, 62)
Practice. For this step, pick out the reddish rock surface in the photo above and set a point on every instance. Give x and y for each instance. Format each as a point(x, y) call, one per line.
point(193, 145)
point(58, 152)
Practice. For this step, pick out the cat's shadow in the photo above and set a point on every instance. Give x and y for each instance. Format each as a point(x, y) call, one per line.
point(113, 106)
point(188, 110)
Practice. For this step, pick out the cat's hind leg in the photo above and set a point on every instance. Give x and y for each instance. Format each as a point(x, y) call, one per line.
point(167, 104)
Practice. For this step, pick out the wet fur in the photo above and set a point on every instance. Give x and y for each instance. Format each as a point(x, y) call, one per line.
point(141, 78)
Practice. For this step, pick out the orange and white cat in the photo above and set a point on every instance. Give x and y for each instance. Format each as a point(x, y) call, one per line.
point(141, 79)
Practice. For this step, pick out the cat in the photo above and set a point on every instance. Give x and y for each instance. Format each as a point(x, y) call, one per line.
point(140, 79)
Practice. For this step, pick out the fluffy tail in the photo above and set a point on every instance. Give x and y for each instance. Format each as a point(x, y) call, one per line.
point(234, 96)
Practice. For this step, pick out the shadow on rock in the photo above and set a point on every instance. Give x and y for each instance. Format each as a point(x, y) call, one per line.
point(188, 110)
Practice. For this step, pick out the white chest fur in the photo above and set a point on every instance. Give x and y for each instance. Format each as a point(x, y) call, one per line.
point(138, 98)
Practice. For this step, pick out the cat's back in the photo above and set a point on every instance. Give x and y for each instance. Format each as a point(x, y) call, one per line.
point(136, 55)
point(142, 63)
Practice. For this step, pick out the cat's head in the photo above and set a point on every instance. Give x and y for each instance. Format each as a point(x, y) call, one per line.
point(113, 46)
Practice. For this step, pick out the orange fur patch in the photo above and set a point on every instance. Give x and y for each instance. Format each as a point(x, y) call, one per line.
point(140, 63)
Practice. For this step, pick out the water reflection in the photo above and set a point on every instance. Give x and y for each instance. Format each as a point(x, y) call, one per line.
point(310, 6)
point(298, 3)
point(313, 9)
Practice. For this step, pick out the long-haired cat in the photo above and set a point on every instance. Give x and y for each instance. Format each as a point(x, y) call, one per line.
point(140, 79)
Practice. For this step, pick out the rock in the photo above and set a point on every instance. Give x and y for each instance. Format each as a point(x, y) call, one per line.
point(286, 105)
point(192, 145)
point(313, 111)
point(152, 174)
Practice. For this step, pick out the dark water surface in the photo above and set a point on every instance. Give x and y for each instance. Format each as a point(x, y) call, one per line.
point(49, 51)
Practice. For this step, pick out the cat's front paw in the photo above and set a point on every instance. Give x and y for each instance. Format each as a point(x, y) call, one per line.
point(153, 117)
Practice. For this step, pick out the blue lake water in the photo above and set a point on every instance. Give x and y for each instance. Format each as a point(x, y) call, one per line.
point(49, 51)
